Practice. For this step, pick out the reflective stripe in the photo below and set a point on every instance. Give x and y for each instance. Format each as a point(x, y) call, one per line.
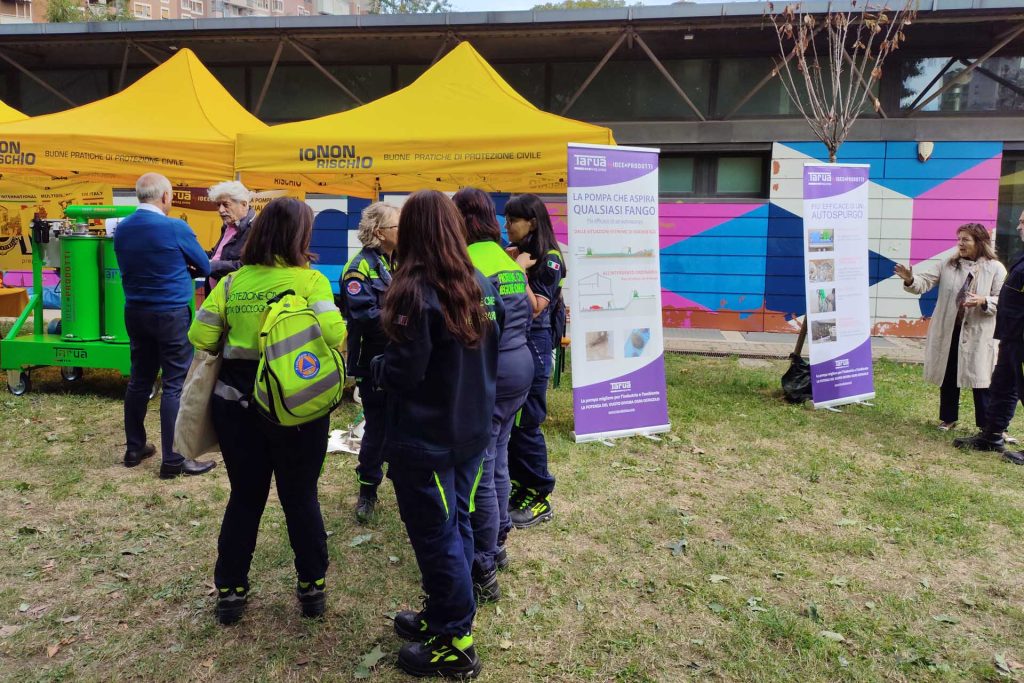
point(289, 344)
point(323, 307)
point(240, 353)
point(209, 318)
point(444, 499)
point(261, 396)
point(312, 391)
point(476, 484)
point(229, 393)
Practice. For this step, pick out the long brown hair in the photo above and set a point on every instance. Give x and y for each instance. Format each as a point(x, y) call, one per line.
point(280, 234)
point(983, 246)
point(432, 254)
point(477, 210)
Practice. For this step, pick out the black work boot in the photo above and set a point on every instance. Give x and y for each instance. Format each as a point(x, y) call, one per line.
point(442, 656)
point(982, 441)
point(485, 586)
point(533, 509)
point(501, 560)
point(1016, 457)
point(366, 503)
point(231, 604)
point(312, 598)
point(411, 626)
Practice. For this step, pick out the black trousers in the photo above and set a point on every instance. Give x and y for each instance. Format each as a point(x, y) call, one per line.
point(949, 392)
point(254, 450)
point(1007, 385)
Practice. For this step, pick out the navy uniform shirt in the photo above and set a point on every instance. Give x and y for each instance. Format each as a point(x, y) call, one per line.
point(364, 281)
point(546, 278)
point(1010, 314)
point(440, 394)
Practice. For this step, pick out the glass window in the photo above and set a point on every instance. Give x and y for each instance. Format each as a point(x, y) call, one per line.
point(80, 86)
point(526, 79)
point(739, 175)
point(302, 92)
point(1011, 204)
point(737, 77)
point(675, 175)
point(631, 90)
point(233, 80)
point(996, 85)
point(407, 73)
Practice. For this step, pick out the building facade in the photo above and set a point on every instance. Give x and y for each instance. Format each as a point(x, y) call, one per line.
point(694, 80)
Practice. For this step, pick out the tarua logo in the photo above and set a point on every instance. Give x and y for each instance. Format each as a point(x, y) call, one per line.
point(819, 176)
point(590, 161)
point(307, 365)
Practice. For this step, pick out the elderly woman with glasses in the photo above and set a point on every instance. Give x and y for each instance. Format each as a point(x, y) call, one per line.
point(232, 199)
point(364, 281)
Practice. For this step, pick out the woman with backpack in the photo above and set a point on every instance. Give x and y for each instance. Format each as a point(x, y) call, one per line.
point(534, 247)
point(275, 260)
point(443, 320)
point(491, 522)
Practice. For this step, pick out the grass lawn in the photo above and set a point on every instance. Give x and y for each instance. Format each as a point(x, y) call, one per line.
point(758, 542)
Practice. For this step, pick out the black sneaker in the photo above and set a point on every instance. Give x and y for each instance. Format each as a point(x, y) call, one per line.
point(312, 598)
point(485, 586)
point(533, 509)
point(501, 560)
point(982, 441)
point(515, 493)
point(365, 508)
point(411, 626)
point(1016, 457)
point(440, 656)
point(231, 604)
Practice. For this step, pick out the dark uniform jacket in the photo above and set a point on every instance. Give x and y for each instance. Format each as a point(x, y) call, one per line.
point(440, 394)
point(364, 282)
point(1010, 314)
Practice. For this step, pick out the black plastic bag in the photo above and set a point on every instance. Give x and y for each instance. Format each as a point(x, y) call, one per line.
point(796, 382)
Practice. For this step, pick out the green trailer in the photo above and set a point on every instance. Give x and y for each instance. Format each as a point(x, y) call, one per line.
point(91, 331)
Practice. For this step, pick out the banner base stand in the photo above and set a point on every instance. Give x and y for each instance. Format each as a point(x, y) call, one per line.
point(605, 437)
point(831, 405)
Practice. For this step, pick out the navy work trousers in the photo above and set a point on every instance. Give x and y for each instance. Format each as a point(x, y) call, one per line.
point(254, 450)
point(370, 468)
point(158, 340)
point(434, 504)
point(1007, 385)
point(527, 450)
point(490, 514)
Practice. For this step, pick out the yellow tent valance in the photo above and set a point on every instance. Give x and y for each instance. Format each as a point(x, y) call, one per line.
point(458, 124)
point(177, 120)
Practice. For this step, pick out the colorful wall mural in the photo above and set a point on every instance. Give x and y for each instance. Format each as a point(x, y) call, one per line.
point(739, 265)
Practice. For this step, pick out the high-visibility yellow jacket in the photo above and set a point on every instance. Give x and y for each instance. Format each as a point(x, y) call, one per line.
point(249, 288)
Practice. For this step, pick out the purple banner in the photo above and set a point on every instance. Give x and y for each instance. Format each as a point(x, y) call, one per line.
point(595, 167)
point(847, 375)
point(630, 402)
point(830, 181)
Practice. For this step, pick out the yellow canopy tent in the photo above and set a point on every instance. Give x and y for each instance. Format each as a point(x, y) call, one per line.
point(458, 124)
point(177, 120)
point(8, 113)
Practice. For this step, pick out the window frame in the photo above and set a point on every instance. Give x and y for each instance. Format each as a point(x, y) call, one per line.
point(705, 174)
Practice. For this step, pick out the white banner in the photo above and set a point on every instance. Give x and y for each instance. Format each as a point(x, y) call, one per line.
point(836, 269)
point(618, 364)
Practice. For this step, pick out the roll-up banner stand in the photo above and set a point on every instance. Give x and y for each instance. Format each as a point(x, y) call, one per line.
point(836, 267)
point(618, 356)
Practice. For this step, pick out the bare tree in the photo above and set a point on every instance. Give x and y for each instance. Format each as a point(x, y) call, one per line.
point(831, 65)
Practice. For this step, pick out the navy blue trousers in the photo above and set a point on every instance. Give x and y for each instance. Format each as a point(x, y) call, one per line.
point(158, 340)
point(435, 505)
point(1007, 385)
point(527, 450)
point(254, 450)
point(370, 468)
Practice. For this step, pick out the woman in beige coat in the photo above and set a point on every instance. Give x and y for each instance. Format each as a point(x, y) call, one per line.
point(960, 350)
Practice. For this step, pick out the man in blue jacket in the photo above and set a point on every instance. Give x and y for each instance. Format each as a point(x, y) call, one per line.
point(158, 257)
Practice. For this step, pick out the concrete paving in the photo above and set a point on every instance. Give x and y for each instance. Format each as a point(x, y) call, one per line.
point(776, 345)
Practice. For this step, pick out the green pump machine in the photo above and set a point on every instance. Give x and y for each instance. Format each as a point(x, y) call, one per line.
point(91, 331)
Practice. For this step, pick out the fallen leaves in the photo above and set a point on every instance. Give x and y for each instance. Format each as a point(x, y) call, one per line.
point(833, 636)
point(678, 547)
point(718, 578)
point(359, 540)
point(369, 660)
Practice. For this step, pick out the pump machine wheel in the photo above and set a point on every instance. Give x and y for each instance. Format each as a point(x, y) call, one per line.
point(18, 383)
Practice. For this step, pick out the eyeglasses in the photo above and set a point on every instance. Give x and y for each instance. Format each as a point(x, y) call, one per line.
point(389, 227)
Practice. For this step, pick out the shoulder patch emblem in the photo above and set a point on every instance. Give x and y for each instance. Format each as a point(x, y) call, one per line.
point(554, 265)
point(354, 287)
